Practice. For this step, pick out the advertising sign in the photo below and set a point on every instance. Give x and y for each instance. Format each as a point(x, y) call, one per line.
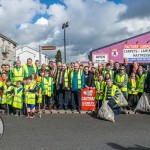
point(88, 101)
point(137, 52)
point(100, 58)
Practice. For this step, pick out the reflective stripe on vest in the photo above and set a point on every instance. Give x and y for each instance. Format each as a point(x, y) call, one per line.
point(17, 102)
point(47, 86)
point(113, 92)
point(7, 98)
point(27, 71)
point(133, 85)
point(141, 82)
point(79, 78)
point(66, 78)
point(121, 79)
point(31, 96)
point(18, 75)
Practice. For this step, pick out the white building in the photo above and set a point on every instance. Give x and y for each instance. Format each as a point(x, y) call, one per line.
point(26, 52)
point(7, 50)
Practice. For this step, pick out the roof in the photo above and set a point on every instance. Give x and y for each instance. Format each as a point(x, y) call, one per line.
point(8, 39)
point(120, 41)
point(31, 49)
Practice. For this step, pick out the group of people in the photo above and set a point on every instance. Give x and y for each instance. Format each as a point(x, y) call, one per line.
point(27, 89)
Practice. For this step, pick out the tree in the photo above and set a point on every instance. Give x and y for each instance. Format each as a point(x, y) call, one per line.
point(58, 57)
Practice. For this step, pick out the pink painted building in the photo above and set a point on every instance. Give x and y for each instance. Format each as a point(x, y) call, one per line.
point(136, 48)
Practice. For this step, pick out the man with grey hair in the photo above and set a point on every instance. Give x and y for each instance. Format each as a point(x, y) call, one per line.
point(63, 88)
point(76, 81)
point(17, 73)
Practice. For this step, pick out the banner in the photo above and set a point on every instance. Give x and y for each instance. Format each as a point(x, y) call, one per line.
point(137, 52)
point(88, 101)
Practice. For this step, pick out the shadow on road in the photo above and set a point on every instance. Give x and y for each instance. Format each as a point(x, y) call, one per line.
point(119, 147)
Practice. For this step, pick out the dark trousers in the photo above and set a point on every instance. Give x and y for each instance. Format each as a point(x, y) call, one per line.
point(48, 101)
point(132, 101)
point(111, 104)
point(55, 96)
point(63, 98)
point(76, 99)
point(98, 104)
point(9, 109)
point(140, 94)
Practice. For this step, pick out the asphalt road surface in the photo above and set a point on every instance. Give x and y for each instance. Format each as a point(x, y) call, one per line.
point(76, 132)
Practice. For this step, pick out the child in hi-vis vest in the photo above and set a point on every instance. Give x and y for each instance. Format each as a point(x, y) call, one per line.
point(38, 93)
point(30, 97)
point(18, 99)
point(7, 97)
point(132, 91)
point(100, 88)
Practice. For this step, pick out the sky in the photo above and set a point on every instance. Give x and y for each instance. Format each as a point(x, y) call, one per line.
point(92, 23)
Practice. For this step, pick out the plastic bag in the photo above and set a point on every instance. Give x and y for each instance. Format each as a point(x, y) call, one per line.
point(122, 101)
point(106, 113)
point(144, 103)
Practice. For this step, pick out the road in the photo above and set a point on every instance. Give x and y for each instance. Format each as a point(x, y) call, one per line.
point(76, 132)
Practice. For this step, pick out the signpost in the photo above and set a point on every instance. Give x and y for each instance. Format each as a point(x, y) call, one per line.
point(47, 48)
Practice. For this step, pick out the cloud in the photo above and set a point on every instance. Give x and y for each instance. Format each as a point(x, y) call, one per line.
point(138, 9)
point(42, 21)
point(92, 24)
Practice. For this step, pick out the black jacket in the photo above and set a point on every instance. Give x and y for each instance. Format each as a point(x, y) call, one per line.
point(89, 80)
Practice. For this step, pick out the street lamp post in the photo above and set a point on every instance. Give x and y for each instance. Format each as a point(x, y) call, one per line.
point(64, 26)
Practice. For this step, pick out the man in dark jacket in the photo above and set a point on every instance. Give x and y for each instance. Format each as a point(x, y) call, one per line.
point(127, 66)
point(89, 77)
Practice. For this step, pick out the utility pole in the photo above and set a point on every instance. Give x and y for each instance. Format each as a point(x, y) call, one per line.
point(64, 26)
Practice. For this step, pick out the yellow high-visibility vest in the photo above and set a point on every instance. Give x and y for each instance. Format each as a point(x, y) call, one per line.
point(134, 86)
point(18, 75)
point(100, 86)
point(30, 97)
point(113, 92)
point(48, 86)
point(27, 71)
point(141, 82)
point(79, 78)
point(121, 79)
point(18, 101)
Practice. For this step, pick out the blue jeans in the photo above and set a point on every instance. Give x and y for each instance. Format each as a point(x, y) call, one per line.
point(111, 104)
point(76, 99)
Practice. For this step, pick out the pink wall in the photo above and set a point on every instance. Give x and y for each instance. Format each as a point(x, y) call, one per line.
point(143, 39)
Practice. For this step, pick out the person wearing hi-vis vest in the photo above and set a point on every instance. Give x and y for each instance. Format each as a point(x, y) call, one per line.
point(132, 91)
point(111, 94)
point(47, 82)
point(7, 97)
point(100, 87)
point(38, 93)
point(29, 68)
point(63, 88)
point(121, 80)
point(141, 77)
point(76, 80)
point(108, 70)
point(30, 93)
point(17, 73)
point(18, 99)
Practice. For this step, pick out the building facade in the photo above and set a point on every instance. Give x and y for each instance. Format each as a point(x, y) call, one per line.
point(26, 52)
point(136, 48)
point(7, 50)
